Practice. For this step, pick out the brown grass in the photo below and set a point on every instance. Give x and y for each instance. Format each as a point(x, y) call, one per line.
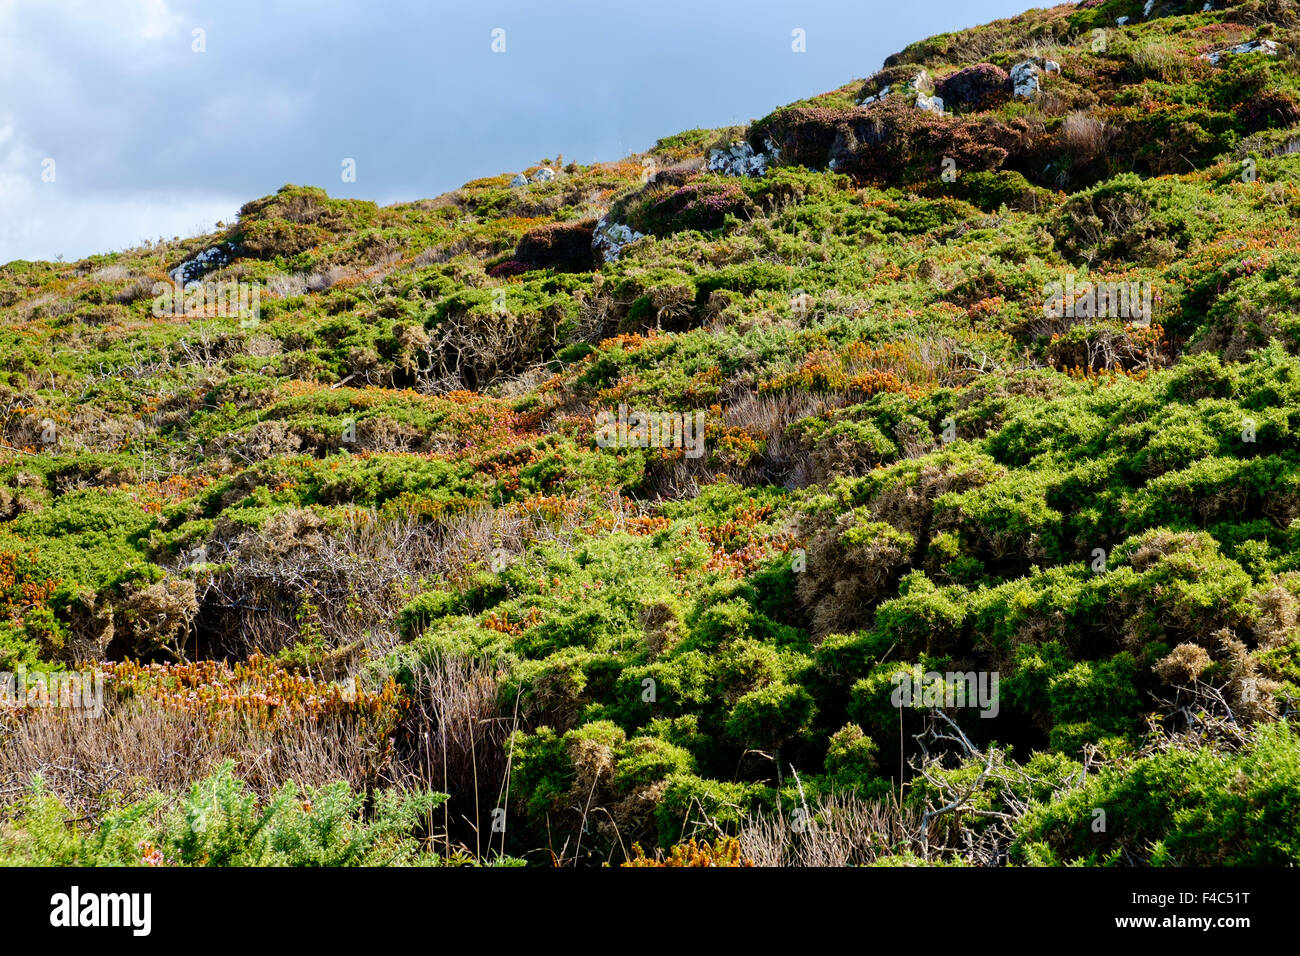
point(847, 831)
point(137, 748)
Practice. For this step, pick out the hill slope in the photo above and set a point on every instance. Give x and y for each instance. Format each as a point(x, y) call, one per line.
point(983, 367)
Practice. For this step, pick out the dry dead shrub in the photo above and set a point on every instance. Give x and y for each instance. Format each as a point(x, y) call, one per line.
point(1160, 546)
point(155, 616)
point(412, 341)
point(768, 418)
point(472, 350)
point(1246, 328)
point(1109, 346)
point(1184, 664)
point(12, 505)
point(603, 816)
point(1252, 696)
point(327, 278)
point(844, 582)
point(837, 453)
point(135, 290)
point(264, 440)
point(844, 579)
point(262, 346)
point(1241, 695)
point(908, 504)
point(663, 628)
point(284, 532)
point(634, 814)
point(287, 285)
point(346, 585)
point(781, 456)
point(673, 304)
point(274, 437)
point(111, 273)
point(1279, 612)
point(556, 697)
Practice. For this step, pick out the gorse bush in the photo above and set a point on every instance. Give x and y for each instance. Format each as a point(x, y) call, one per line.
point(699, 494)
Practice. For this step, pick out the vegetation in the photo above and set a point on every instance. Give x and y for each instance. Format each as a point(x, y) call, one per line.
point(363, 556)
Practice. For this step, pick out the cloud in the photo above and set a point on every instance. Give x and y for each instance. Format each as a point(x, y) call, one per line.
point(151, 138)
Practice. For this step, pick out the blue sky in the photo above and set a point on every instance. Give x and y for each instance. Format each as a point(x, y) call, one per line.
point(149, 138)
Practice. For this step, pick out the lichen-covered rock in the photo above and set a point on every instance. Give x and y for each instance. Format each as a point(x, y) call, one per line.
point(876, 97)
point(543, 175)
point(896, 81)
point(519, 180)
point(932, 103)
point(207, 260)
point(915, 87)
point(1267, 47)
point(1024, 79)
point(741, 159)
point(609, 238)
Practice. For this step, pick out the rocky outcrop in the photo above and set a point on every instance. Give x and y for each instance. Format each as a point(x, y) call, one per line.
point(741, 159)
point(915, 86)
point(1024, 79)
point(609, 238)
point(1267, 47)
point(193, 269)
point(1027, 77)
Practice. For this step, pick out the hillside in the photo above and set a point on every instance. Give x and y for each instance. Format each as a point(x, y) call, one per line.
point(907, 476)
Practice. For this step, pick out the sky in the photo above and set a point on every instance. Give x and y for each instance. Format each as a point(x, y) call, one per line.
point(127, 120)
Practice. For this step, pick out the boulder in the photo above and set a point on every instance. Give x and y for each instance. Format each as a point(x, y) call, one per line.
point(204, 262)
point(1267, 47)
point(741, 159)
point(932, 103)
point(1024, 79)
point(609, 238)
point(906, 81)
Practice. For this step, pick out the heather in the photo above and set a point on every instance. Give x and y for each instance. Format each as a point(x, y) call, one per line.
point(370, 530)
